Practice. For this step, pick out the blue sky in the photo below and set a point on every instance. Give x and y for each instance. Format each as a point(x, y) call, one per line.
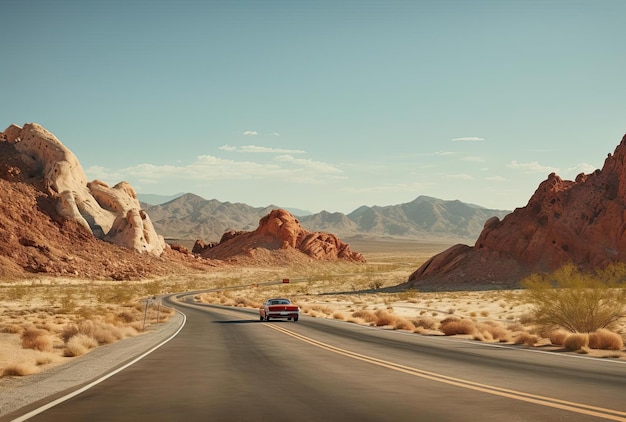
point(321, 105)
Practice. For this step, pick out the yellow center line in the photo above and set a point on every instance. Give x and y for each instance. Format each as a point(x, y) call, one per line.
point(601, 412)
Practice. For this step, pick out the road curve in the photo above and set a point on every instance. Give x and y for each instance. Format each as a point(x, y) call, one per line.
point(226, 365)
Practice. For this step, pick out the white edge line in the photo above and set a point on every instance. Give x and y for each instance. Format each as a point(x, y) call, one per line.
point(99, 380)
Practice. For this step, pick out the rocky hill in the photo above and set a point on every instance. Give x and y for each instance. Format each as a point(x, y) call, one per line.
point(191, 217)
point(280, 233)
point(53, 221)
point(44, 229)
point(581, 221)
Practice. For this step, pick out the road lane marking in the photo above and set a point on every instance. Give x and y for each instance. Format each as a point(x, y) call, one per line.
point(580, 408)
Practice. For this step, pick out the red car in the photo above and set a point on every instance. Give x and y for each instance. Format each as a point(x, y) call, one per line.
point(279, 308)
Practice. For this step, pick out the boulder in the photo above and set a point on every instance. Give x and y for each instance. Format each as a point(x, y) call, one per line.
point(111, 214)
point(581, 221)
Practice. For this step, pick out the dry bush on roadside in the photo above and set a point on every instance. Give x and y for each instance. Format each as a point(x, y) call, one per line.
point(492, 332)
point(317, 310)
point(339, 315)
point(11, 329)
point(246, 303)
point(20, 369)
point(38, 339)
point(426, 323)
point(557, 337)
point(384, 318)
point(576, 301)
point(576, 341)
point(606, 340)
point(79, 344)
point(367, 316)
point(102, 332)
point(525, 338)
point(403, 324)
point(453, 327)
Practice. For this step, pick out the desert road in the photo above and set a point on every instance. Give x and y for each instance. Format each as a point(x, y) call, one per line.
point(226, 365)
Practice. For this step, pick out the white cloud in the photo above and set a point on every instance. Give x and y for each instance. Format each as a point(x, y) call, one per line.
point(581, 168)
point(258, 149)
point(251, 133)
point(469, 139)
point(473, 159)
point(317, 166)
point(275, 133)
point(532, 167)
point(205, 168)
point(460, 176)
point(495, 178)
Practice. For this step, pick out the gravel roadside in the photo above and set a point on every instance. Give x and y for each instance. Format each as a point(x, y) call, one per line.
point(17, 392)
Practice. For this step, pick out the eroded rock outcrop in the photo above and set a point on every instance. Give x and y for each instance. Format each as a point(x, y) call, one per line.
point(581, 221)
point(112, 214)
point(280, 230)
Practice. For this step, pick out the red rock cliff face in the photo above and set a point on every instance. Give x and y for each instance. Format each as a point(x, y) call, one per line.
point(582, 221)
point(279, 230)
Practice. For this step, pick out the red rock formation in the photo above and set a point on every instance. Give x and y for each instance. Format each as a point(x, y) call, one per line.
point(581, 221)
point(279, 230)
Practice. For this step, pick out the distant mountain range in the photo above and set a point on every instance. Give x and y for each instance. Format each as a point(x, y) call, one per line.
point(189, 217)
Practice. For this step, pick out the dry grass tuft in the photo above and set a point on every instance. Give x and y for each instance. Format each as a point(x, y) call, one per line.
point(385, 318)
point(426, 323)
point(79, 344)
point(525, 338)
point(37, 339)
point(452, 326)
point(576, 341)
point(403, 324)
point(492, 332)
point(20, 369)
point(339, 315)
point(367, 316)
point(606, 340)
point(558, 337)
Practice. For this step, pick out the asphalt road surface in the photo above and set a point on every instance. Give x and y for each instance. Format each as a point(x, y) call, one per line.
point(226, 365)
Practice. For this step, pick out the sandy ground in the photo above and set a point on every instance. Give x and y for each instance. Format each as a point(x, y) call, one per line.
point(347, 292)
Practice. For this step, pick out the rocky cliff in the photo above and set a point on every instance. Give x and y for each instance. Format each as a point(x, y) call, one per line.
point(280, 231)
point(581, 221)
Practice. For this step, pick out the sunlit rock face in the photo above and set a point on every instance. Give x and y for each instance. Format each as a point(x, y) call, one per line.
point(112, 214)
point(280, 230)
point(581, 221)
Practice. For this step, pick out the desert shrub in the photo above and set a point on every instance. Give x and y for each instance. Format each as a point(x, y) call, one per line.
point(492, 332)
point(69, 331)
point(126, 317)
point(525, 338)
point(403, 324)
point(425, 322)
point(576, 341)
point(384, 318)
point(20, 369)
point(11, 329)
point(38, 339)
point(460, 326)
point(367, 316)
point(606, 340)
point(575, 301)
point(558, 337)
point(79, 344)
point(339, 315)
